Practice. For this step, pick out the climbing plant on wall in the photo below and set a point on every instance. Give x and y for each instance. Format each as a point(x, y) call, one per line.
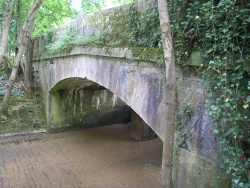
point(220, 31)
point(142, 25)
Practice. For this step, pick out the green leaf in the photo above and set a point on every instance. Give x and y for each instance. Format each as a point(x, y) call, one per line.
point(248, 20)
point(248, 99)
point(216, 131)
point(245, 106)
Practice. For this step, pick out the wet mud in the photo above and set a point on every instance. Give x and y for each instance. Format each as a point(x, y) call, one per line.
point(91, 158)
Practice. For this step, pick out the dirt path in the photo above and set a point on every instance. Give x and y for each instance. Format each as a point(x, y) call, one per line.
point(92, 158)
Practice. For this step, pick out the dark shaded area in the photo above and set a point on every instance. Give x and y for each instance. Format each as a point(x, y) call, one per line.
point(82, 103)
point(140, 130)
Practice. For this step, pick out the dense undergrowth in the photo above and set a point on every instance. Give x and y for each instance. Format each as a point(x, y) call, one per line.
point(26, 114)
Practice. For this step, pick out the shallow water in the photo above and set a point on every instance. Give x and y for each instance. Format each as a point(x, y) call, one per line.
point(97, 157)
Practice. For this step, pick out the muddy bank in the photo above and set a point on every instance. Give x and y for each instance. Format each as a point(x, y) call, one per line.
point(96, 157)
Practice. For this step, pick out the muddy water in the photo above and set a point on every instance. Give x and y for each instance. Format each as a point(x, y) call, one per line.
point(93, 158)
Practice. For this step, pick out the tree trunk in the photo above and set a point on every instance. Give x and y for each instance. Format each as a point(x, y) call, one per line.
point(17, 23)
point(168, 146)
point(5, 31)
point(5, 65)
point(29, 57)
point(28, 67)
point(22, 48)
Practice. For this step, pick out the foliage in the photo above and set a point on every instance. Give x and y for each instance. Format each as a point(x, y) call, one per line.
point(122, 2)
point(25, 116)
point(97, 5)
point(20, 13)
point(144, 27)
point(182, 128)
point(144, 32)
point(2, 12)
point(219, 30)
point(92, 6)
point(2, 73)
point(52, 14)
point(63, 41)
point(132, 30)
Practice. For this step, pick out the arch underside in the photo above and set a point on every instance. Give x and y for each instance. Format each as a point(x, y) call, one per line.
point(84, 102)
point(139, 87)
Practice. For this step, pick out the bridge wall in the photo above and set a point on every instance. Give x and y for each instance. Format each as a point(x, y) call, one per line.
point(139, 84)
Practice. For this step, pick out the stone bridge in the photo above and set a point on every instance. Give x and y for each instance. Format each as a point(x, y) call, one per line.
point(99, 76)
point(91, 73)
point(108, 77)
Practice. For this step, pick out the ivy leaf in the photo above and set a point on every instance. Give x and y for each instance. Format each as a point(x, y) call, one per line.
point(245, 106)
point(243, 10)
point(248, 20)
point(216, 131)
point(248, 99)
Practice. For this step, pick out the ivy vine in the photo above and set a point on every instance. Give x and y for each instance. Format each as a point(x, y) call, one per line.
point(220, 31)
point(144, 27)
point(182, 130)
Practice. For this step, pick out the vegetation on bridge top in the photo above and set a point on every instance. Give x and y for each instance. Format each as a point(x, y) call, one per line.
point(124, 27)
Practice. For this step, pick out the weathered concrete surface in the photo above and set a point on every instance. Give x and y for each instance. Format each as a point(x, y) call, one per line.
point(97, 158)
point(79, 102)
point(197, 165)
point(193, 170)
point(139, 130)
point(139, 84)
point(191, 92)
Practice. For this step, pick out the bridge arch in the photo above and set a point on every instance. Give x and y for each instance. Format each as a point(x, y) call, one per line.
point(138, 84)
point(81, 102)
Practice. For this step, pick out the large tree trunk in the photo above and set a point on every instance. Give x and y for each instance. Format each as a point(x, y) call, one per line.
point(168, 146)
point(5, 31)
point(27, 65)
point(22, 48)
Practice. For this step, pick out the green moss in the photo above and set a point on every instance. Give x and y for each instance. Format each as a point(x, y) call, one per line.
point(191, 170)
point(150, 54)
point(25, 115)
point(120, 27)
